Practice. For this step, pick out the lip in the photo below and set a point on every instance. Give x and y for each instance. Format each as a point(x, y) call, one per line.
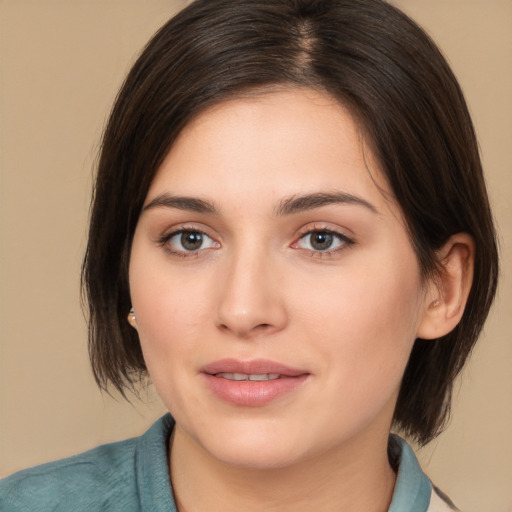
point(252, 393)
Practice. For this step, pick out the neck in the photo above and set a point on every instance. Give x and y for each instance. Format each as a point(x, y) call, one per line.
point(352, 478)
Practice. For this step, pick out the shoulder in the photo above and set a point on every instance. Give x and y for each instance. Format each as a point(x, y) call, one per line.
point(127, 476)
point(93, 480)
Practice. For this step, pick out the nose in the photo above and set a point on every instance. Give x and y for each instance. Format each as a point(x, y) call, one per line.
point(251, 301)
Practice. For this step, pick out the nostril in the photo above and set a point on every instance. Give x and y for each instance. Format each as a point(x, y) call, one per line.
point(262, 328)
point(246, 331)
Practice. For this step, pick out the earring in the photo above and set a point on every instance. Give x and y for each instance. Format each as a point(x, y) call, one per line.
point(434, 304)
point(131, 315)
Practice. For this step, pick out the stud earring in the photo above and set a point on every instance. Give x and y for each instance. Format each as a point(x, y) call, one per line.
point(435, 304)
point(131, 316)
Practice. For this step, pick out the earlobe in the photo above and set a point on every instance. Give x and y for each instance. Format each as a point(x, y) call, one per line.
point(132, 319)
point(447, 294)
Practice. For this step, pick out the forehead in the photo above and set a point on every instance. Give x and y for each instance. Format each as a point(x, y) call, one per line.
point(263, 147)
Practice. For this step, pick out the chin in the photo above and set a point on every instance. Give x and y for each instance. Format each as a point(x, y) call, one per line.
point(257, 457)
point(255, 447)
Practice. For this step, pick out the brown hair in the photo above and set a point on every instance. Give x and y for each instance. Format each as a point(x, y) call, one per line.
point(373, 59)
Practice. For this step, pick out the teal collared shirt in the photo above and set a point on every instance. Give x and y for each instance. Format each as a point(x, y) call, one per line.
point(133, 476)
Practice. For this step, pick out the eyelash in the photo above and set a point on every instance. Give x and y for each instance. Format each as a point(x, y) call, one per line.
point(345, 242)
point(164, 242)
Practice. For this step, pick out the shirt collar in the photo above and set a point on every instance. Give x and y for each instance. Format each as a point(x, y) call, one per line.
point(412, 487)
point(152, 470)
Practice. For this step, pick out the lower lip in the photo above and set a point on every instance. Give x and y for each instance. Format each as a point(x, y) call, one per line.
point(253, 393)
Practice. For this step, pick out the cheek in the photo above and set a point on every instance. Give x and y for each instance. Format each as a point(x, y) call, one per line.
point(365, 320)
point(168, 323)
point(170, 312)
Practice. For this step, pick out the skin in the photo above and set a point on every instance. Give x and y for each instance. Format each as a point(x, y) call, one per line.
point(258, 288)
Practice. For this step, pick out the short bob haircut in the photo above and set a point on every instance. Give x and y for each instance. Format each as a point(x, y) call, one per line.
point(375, 61)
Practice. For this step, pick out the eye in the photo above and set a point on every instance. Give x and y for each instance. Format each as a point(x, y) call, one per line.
point(187, 241)
point(323, 241)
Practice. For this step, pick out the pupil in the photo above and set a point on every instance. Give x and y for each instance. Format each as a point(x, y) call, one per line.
point(321, 241)
point(191, 240)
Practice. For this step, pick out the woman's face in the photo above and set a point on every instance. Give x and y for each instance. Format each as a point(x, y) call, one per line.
point(277, 295)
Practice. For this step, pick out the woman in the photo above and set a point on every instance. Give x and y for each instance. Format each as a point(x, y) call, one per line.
point(291, 211)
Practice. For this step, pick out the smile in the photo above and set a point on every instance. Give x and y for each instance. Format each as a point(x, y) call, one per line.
point(254, 383)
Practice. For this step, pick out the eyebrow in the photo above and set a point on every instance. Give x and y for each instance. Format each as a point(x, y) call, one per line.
point(182, 203)
point(302, 203)
point(288, 206)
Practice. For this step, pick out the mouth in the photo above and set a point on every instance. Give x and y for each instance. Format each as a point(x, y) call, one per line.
point(260, 369)
point(252, 383)
point(253, 377)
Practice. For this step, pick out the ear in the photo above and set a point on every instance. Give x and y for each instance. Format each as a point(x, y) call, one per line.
point(132, 320)
point(447, 293)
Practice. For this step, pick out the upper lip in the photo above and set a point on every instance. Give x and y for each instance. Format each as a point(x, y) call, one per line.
point(252, 367)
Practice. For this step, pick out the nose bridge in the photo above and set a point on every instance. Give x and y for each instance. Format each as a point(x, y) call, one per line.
point(250, 301)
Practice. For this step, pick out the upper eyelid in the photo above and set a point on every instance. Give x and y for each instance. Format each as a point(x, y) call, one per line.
point(341, 236)
point(322, 230)
point(316, 227)
point(175, 230)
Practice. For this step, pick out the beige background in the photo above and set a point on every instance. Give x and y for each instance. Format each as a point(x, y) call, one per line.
point(61, 63)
